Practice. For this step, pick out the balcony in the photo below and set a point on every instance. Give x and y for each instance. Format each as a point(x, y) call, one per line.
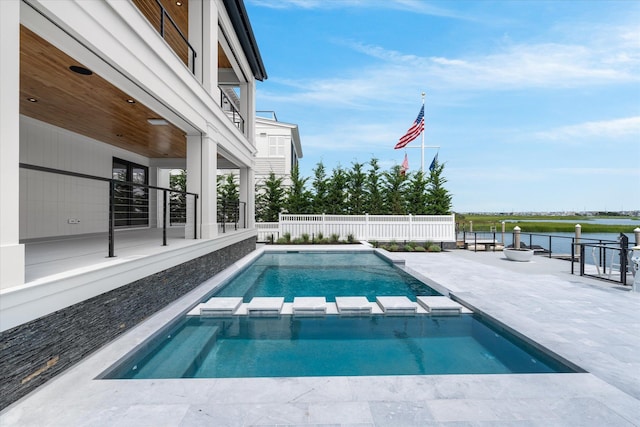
point(172, 22)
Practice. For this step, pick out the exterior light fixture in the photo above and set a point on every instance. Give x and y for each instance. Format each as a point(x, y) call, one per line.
point(158, 122)
point(81, 70)
point(32, 99)
point(131, 101)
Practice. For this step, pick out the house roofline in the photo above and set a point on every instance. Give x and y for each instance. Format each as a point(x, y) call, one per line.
point(294, 131)
point(242, 26)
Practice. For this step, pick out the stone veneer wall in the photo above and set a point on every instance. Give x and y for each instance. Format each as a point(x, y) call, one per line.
point(33, 353)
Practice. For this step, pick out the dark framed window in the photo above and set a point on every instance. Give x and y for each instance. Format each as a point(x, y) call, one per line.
point(131, 201)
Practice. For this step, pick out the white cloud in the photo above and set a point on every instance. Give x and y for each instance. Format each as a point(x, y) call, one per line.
point(509, 67)
point(607, 129)
point(414, 6)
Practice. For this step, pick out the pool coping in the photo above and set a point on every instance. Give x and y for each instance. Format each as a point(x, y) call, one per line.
point(76, 398)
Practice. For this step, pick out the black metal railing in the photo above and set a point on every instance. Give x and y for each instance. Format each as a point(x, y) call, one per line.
point(231, 213)
point(610, 259)
point(164, 17)
point(129, 203)
point(605, 255)
point(230, 110)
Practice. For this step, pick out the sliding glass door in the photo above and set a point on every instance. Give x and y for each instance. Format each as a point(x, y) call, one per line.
point(131, 201)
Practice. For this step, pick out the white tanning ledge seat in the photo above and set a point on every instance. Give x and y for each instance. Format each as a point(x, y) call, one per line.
point(440, 305)
point(221, 306)
point(397, 305)
point(265, 306)
point(309, 306)
point(353, 305)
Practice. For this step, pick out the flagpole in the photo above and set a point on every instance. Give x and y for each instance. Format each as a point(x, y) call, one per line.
point(422, 146)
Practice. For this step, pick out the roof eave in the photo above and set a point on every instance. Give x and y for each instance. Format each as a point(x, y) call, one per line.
point(242, 26)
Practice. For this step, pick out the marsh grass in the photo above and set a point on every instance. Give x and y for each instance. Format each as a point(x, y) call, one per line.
point(485, 222)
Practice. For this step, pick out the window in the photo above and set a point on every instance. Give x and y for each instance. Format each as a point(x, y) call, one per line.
point(276, 146)
point(131, 201)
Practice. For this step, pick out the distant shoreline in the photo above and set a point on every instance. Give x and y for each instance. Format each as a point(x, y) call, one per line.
point(546, 223)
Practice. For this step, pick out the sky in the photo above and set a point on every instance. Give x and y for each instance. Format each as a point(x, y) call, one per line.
point(534, 105)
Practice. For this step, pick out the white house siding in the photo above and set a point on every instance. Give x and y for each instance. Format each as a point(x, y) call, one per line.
point(265, 165)
point(48, 201)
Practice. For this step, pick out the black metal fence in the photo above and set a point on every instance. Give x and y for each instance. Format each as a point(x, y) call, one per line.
point(169, 29)
point(599, 258)
point(231, 213)
point(129, 204)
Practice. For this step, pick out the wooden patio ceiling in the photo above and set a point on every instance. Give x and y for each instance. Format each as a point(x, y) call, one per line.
point(91, 106)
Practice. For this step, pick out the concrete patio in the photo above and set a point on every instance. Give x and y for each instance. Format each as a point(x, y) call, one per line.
point(592, 324)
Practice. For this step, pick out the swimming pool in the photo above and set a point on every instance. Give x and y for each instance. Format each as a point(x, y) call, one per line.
point(328, 274)
point(288, 346)
point(333, 345)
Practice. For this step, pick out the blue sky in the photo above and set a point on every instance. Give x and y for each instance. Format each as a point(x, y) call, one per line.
point(535, 105)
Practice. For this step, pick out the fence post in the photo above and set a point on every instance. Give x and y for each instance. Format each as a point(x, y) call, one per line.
point(164, 218)
point(367, 232)
point(624, 244)
point(470, 226)
point(324, 225)
point(516, 237)
point(195, 216)
point(279, 224)
point(112, 214)
point(503, 225)
point(636, 232)
point(578, 229)
point(410, 227)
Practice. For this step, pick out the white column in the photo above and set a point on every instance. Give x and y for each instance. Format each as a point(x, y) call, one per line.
point(202, 165)
point(203, 35)
point(247, 194)
point(11, 251)
point(248, 108)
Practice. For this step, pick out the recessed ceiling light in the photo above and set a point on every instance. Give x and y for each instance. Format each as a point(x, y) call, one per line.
point(178, 3)
point(131, 101)
point(158, 122)
point(81, 70)
point(32, 99)
point(119, 135)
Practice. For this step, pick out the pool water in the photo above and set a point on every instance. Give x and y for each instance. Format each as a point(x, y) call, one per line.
point(336, 346)
point(323, 274)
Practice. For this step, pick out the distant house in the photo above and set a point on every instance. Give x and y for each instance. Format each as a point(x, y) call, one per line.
point(100, 101)
point(279, 149)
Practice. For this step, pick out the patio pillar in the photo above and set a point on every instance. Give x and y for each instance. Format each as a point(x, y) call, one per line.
point(203, 36)
point(202, 165)
point(247, 194)
point(11, 251)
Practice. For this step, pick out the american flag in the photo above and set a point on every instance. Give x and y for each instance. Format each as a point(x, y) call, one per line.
point(414, 131)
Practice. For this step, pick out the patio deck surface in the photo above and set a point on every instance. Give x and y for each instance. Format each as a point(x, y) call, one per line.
point(593, 324)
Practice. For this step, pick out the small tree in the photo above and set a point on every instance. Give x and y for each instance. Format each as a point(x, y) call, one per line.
point(319, 184)
point(394, 184)
point(298, 199)
point(356, 187)
point(228, 198)
point(374, 203)
point(227, 189)
point(416, 194)
point(336, 192)
point(438, 198)
point(270, 199)
point(178, 201)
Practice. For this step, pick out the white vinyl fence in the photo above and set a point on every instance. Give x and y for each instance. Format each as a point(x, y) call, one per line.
point(419, 228)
